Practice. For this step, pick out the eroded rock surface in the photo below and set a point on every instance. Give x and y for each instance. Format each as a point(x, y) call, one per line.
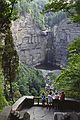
point(48, 47)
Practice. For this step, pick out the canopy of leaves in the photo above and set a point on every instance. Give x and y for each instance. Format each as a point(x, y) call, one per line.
point(6, 13)
point(70, 6)
point(35, 8)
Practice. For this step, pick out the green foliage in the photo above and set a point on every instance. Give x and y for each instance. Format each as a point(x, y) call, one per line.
point(52, 18)
point(69, 80)
point(35, 8)
point(9, 56)
point(6, 13)
point(29, 81)
point(71, 6)
point(76, 18)
point(55, 5)
point(9, 62)
point(3, 101)
point(17, 95)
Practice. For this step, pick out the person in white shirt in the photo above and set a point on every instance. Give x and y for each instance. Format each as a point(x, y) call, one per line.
point(50, 100)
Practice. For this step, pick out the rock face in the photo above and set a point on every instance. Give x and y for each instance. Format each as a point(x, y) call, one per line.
point(34, 46)
point(37, 47)
point(64, 34)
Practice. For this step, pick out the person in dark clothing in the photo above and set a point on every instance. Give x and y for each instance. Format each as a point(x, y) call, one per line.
point(43, 99)
point(62, 96)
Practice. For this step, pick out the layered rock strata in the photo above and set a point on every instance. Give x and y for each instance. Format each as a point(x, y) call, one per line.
point(37, 47)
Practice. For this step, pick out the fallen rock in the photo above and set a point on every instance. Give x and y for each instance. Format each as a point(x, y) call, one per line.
point(66, 116)
point(26, 116)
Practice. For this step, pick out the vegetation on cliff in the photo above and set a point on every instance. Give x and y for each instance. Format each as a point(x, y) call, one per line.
point(35, 8)
point(29, 81)
point(72, 7)
point(69, 79)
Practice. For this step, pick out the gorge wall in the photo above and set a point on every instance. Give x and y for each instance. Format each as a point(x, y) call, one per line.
point(65, 33)
point(43, 48)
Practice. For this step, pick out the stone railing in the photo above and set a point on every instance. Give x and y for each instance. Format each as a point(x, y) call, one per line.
point(38, 102)
point(30, 101)
point(66, 105)
point(23, 102)
point(20, 104)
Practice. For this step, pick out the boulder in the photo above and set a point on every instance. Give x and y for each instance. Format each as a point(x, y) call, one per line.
point(26, 116)
point(66, 116)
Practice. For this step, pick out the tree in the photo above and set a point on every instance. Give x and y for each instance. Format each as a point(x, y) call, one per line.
point(9, 55)
point(72, 7)
point(3, 101)
point(69, 79)
point(9, 62)
point(10, 58)
point(29, 80)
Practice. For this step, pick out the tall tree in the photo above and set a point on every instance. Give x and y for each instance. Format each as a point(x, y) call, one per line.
point(9, 62)
point(9, 56)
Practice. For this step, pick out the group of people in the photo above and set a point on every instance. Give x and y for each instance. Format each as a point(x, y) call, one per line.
point(51, 96)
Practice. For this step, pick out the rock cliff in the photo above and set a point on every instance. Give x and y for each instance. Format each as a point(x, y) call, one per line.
point(46, 48)
point(64, 34)
point(33, 45)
